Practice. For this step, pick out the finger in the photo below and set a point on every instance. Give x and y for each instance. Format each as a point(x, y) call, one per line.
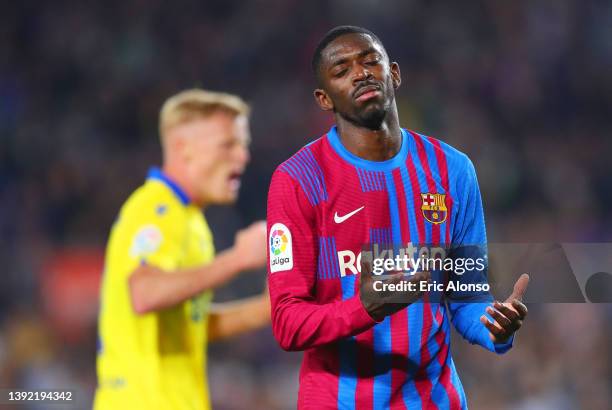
point(420, 277)
point(519, 288)
point(491, 326)
point(520, 307)
point(259, 225)
point(502, 320)
point(507, 310)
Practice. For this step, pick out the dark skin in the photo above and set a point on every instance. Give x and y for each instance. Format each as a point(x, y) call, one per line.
point(357, 81)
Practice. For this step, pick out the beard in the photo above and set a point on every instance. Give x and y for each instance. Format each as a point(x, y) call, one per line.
point(369, 116)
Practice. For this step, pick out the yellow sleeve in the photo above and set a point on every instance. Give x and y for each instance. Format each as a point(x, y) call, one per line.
point(157, 235)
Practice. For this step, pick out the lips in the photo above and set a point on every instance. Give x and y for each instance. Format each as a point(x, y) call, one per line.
point(234, 180)
point(366, 91)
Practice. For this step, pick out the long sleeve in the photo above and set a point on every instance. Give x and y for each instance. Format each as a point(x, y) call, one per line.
point(470, 241)
point(299, 322)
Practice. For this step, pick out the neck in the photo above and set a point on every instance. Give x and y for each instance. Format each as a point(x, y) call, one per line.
point(178, 175)
point(373, 145)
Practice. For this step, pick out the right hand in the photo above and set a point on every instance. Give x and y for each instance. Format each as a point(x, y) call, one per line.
point(250, 246)
point(380, 304)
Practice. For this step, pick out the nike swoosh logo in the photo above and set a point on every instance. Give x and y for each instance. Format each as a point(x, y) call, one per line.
point(340, 219)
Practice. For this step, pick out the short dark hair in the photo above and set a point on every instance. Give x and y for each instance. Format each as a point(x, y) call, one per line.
point(333, 34)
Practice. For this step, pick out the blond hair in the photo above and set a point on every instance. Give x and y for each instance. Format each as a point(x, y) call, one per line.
point(196, 103)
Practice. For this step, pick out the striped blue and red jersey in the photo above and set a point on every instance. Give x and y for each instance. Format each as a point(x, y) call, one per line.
point(324, 204)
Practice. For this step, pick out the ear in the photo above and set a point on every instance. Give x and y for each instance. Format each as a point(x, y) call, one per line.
point(181, 147)
point(396, 76)
point(325, 103)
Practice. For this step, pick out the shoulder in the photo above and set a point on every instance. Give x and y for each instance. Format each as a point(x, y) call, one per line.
point(307, 157)
point(303, 169)
point(153, 203)
point(455, 160)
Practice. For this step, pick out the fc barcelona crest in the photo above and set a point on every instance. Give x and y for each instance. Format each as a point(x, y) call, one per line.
point(434, 207)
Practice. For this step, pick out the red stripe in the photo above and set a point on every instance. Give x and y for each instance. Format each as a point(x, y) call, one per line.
point(401, 201)
point(445, 376)
point(416, 194)
point(399, 359)
point(443, 167)
point(422, 383)
point(399, 321)
point(431, 184)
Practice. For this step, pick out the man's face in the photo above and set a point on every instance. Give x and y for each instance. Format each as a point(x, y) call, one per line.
point(215, 155)
point(357, 80)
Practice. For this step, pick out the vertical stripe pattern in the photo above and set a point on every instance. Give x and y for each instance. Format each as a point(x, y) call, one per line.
point(347, 348)
point(371, 180)
point(303, 168)
point(328, 266)
point(382, 236)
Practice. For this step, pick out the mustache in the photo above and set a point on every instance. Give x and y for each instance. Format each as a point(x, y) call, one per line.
point(363, 84)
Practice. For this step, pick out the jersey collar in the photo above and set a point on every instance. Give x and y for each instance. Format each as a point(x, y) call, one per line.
point(156, 173)
point(396, 161)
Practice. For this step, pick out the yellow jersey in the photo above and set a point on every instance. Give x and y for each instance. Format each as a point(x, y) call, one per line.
point(155, 360)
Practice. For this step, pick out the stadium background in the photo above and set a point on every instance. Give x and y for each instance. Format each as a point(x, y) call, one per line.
point(523, 87)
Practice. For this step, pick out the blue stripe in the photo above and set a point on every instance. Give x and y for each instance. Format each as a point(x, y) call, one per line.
point(322, 257)
point(381, 182)
point(420, 171)
point(429, 228)
point(410, 205)
point(326, 259)
point(156, 173)
point(303, 168)
point(438, 393)
point(393, 210)
point(289, 169)
point(330, 257)
point(310, 159)
point(359, 171)
point(382, 364)
point(335, 273)
point(382, 331)
point(303, 182)
point(319, 261)
point(371, 180)
point(435, 171)
point(312, 172)
point(415, 326)
point(309, 178)
point(347, 380)
point(457, 383)
point(414, 311)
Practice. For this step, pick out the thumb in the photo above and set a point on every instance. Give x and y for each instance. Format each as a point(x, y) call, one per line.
point(519, 288)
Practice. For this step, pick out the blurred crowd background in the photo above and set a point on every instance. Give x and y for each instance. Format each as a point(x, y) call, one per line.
point(523, 87)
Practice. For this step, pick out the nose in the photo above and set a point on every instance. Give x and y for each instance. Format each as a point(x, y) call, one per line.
point(361, 73)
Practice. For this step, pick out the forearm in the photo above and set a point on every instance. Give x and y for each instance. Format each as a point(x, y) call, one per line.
point(153, 289)
point(300, 325)
point(233, 318)
point(466, 319)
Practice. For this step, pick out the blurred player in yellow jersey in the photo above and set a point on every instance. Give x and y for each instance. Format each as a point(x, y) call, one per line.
point(156, 314)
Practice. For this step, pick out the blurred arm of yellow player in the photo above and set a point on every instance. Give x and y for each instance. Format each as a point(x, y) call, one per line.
point(233, 318)
point(153, 289)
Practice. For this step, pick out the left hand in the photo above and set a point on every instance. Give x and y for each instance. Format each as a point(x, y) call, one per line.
point(508, 316)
